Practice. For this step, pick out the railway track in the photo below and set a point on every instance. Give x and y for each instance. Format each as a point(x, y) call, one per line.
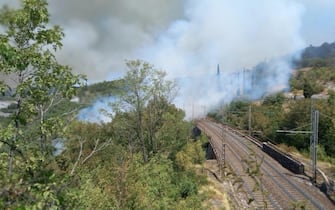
point(272, 187)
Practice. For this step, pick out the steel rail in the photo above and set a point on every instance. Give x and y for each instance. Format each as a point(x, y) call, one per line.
point(246, 182)
point(311, 199)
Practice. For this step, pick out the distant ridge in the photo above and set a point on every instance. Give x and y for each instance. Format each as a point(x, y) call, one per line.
point(317, 56)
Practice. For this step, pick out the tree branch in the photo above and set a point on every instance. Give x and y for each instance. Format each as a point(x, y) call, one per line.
point(97, 148)
point(79, 156)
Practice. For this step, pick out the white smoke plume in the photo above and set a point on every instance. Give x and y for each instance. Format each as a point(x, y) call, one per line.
point(234, 34)
point(102, 34)
point(186, 38)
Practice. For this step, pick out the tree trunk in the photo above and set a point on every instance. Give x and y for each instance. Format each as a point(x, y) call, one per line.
point(10, 161)
point(142, 140)
point(42, 134)
point(139, 110)
point(11, 147)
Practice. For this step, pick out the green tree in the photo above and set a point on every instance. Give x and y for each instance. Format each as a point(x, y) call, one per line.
point(274, 99)
point(91, 139)
point(296, 118)
point(236, 113)
point(326, 123)
point(156, 185)
point(26, 57)
point(145, 98)
point(310, 81)
point(308, 89)
point(331, 99)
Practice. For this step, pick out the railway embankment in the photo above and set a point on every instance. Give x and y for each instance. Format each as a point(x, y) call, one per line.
point(264, 180)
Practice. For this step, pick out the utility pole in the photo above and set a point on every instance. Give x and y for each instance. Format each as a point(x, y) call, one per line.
point(249, 121)
point(314, 143)
point(222, 161)
point(314, 139)
point(223, 153)
point(192, 110)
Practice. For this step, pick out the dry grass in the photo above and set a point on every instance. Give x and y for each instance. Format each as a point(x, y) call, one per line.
point(215, 190)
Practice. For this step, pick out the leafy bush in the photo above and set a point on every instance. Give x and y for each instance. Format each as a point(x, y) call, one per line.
point(187, 188)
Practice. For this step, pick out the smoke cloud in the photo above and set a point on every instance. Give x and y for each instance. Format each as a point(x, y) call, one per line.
point(186, 38)
point(101, 35)
point(233, 34)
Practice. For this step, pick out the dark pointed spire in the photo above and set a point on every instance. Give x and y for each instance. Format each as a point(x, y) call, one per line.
point(218, 70)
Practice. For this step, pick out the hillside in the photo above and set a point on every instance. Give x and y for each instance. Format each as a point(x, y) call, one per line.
point(317, 56)
point(312, 85)
point(146, 156)
point(315, 73)
point(89, 93)
point(85, 97)
point(172, 160)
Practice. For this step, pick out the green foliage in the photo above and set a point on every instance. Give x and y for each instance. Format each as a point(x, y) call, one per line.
point(235, 112)
point(152, 186)
point(26, 54)
point(312, 81)
point(92, 193)
point(27, 57)
point(331, 99)
point(191, 154)
point(310, 88)
point(274, 99)
point(278, 114)
point(88, 93)
point(129, 163)
point(187, 188)
point(172, 134)
point(146, 97)
point(298, 205)
point(119, 177)
point(32, 185)
point(115, 180)
point(158, 186)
